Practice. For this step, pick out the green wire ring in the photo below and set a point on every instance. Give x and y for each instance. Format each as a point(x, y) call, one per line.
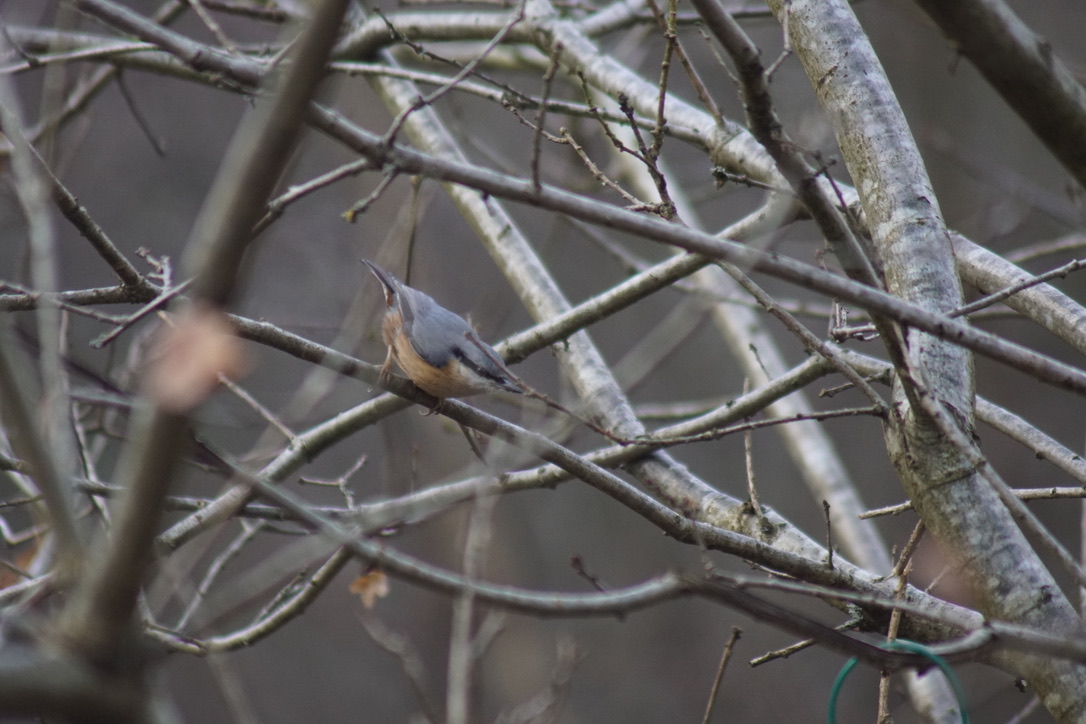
point(911, 647)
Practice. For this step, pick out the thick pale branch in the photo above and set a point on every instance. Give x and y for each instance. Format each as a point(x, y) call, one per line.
point(914, 251)
point(1049, 307)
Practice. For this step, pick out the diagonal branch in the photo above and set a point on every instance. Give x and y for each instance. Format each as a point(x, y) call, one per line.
point(1024, 69)
point(99, 615)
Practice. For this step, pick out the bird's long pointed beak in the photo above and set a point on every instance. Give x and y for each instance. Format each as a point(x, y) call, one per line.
point(387, 281)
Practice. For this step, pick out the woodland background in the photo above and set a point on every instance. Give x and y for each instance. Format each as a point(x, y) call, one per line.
point(141, 153)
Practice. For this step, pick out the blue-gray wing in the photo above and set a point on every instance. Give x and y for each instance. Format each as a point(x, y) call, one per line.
point(438, 336)
point(435, 333)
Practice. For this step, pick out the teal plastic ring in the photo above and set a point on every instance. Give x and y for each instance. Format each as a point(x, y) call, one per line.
point(914, 648)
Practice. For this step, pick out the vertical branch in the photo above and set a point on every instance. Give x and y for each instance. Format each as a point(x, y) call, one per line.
point(725, 657)
point(1082, 557)
point(461, 648)
point(670, 40)
point(748, 454)
point(541, 117)
point(954, 499)
point(50, 447)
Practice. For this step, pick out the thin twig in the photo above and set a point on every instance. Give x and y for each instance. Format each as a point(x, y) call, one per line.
point(787, 651)
point(213, 26)
point(748, 455)
point(1023, 494)
point(1013, 289)
point(151, 307)
point(901, 571)
point(829, 533)
point(278, 205)
point(157, 143)
point(724, 658)
point(635, 203)
point(215, 569)
point(423, 101)
point(363, 206)
point(541, 116)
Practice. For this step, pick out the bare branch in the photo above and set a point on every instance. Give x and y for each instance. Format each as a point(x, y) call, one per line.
point(1024, 69)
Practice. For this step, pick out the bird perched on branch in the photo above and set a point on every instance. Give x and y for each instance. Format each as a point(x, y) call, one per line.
point(437, 349)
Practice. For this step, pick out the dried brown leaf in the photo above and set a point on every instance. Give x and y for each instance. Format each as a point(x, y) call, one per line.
point(369, 587)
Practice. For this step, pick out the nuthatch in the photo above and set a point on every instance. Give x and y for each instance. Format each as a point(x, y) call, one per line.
point(435, 348)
